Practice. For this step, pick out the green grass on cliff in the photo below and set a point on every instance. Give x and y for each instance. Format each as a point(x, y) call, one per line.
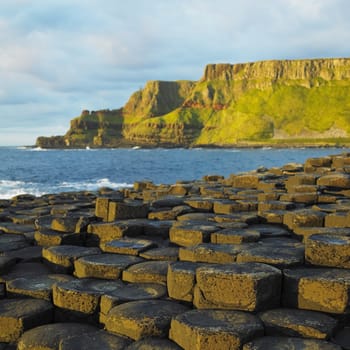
point(225, 112)
point(255, 114)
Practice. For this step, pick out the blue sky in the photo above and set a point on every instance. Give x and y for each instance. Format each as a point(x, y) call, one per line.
point(58, 57)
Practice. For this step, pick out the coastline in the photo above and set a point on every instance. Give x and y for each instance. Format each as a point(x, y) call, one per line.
point(282, 143)
point(264, 253)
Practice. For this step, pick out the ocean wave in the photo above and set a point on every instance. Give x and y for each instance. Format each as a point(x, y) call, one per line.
point(9, 188)
point(92, 185)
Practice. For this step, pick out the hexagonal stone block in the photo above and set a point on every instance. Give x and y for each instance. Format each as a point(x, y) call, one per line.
point(303, 218)
point(190, 233)
point(270, 230)
point(181, 279)
point(239, 217)
point(153, 344)
point(328, 250)
point(82, 295)
point(214, 329)
point(200, 203)
point(61, 258)
point(19, 315)
point(147, 272)
point(278, 343)
point(298, 323)
point(127, 210)
point(164, 253)
point(131, 292)
point(232, 236)
point(335, 181)
point(238, 286)
point(105, 266)
point(39, 287)
point(68, 224)
point(280, 257)
point(226, 207)
point(48, 237)
point(95, 341)
point(306, 232)
point(10, 242)
point(108, 231)
point(24, 270)
point(196, 218)
point(50, 336)
point(6, 263)
point(212, 253)
point(319, 289)
point(140, 319)
point(27, 254)
point(338, 219)
point(130, 246)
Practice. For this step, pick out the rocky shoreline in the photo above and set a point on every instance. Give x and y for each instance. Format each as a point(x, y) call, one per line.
point(257, 260)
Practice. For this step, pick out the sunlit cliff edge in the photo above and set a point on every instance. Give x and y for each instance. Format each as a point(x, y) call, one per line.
point(265, 103)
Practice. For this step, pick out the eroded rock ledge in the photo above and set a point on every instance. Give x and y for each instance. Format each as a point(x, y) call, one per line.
point(258, 260)
point(265, 103)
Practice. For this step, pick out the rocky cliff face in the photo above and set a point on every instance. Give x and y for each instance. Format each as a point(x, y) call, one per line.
point(232, 104)
point(327, 69)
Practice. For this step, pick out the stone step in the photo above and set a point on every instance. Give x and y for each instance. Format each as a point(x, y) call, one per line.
point(213, 253)
point(95, 341)
point(104, 232)
point(214, 329)
point(153, 344)
point(27, 254)
point(328, 250)
point(303, 218)
point(130, 292)
point(147, 272)
point(319, 289)
point(25, 269)
point(298, 323)
point(166, 253)
point(9, 242)
point(127, 210)
point(280, 257)
point(129, 246)
point(39, 287)
point(50, 336)
point(221, 286)
point(140, 319)
point(49, 237)
point(189, 233)
point(104, 266)
point(181, 280)
point(82, 295)
point(278, 343)
point(232, 236)
point(61, 258)
point(19, 315)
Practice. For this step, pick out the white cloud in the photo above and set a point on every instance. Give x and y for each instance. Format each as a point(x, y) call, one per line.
point(60, 56)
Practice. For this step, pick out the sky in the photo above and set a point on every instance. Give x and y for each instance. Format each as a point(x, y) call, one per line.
point(58, 57)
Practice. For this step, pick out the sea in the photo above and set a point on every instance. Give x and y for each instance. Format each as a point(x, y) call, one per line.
point(37, 171)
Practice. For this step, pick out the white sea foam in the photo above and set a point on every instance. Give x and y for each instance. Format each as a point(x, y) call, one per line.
point(37, 149)
point(9, 189)
point(92, 185)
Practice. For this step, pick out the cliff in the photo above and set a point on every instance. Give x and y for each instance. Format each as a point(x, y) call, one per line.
point(259, 103)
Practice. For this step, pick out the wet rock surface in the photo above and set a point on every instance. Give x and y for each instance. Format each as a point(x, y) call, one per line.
point(255, 261)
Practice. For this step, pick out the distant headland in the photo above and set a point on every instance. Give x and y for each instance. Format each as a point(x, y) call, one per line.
point(277, 103)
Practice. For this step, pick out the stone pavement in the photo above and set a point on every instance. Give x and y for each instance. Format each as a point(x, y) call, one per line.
point(257, 260)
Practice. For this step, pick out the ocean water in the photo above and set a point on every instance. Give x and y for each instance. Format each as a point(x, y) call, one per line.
point(36, 171)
